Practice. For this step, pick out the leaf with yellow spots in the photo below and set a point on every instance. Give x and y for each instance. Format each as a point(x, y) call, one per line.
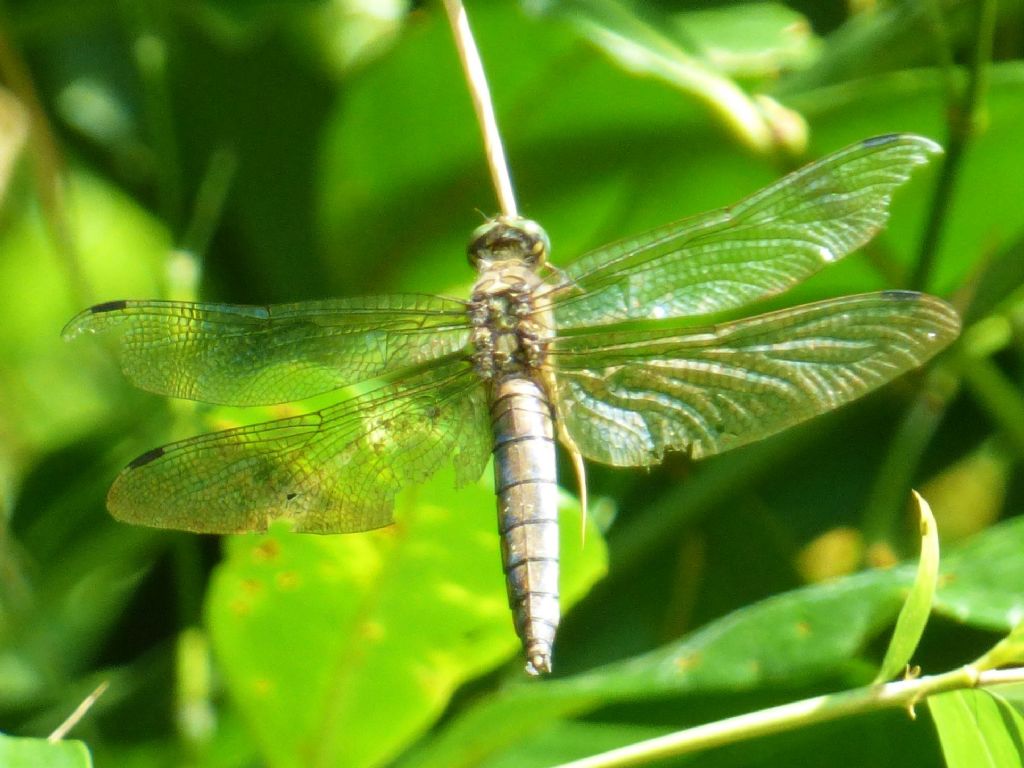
point(315, 632)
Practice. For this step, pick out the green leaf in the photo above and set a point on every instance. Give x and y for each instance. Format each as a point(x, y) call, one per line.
point(39, 753)
point(118, 245)
point(750, 39)
point(979, 582)
point(788, 639)
point(914, 613)
point(1009, 650)
point(1013, 694)
point(315, 632)
point(978, 730)
point(643, 49)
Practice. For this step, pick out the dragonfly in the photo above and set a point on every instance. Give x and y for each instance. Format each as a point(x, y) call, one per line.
point(621, 356)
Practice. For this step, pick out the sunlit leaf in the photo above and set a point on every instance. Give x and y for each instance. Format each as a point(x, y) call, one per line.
point(314, 632)
point(750, 39)
point(978, 730)
point(1009, 650)
point(40, 753)
point(642, 49)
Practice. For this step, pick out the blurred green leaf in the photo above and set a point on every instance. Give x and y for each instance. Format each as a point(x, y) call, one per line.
point(40, 753)
point(1009, 650)
point(48, 396)
point(977, 577)
point(750, 39)
point(315, 632)
point(643, 49)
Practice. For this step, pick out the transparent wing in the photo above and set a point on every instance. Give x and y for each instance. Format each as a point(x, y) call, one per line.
point(626, 398)
point(758, 248)
point(259, 355)
point(333, 471)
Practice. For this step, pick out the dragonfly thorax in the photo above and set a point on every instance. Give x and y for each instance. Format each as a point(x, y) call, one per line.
point(510, 336)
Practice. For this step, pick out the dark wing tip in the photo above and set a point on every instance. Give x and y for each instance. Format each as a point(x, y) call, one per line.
point(80, 322)
point(107, 306)
point(146, 458)
point(924, 144)
point(940, 309)
point(885, 138)
point(901, 295)
point(941, 319)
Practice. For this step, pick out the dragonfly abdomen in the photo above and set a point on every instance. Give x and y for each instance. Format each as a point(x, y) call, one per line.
point(524, 481)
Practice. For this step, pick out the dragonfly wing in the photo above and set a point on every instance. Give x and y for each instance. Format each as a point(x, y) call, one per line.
point(758, 248)
point(626, 398)
point(332, 471)
point(258, 355)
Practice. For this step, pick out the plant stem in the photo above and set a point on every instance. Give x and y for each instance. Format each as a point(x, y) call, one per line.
point(481, 96)
point(786, 717)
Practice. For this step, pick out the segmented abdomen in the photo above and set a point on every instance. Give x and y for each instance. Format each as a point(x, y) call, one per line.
point(524, 481)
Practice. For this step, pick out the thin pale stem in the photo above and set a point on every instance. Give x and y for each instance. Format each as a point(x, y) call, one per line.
point(481, 96)
point(80, 711)
point(903, 694)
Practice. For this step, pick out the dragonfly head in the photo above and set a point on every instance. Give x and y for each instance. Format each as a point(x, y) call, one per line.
point(503, 239)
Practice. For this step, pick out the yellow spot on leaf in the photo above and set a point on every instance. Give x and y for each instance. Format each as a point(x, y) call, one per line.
point(686, 663)
point(266, 550)
point(287, 581)
point(371, 630)
point(262, 687)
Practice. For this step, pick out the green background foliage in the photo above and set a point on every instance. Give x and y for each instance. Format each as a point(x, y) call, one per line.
point(274, 152)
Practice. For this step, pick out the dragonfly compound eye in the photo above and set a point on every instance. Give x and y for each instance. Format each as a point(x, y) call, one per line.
point(503, 239)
